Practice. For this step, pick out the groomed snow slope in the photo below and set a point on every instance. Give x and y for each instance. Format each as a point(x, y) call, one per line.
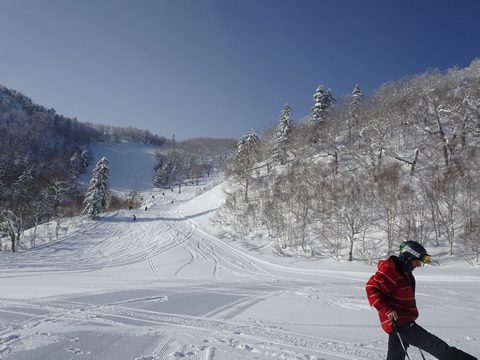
point(165, 287)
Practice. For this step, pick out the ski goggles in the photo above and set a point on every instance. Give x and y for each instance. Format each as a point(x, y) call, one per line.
point(423, 258)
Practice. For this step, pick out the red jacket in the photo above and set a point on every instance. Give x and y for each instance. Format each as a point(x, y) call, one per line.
point(391, 288)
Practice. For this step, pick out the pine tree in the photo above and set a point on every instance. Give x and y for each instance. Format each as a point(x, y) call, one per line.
point(75, 164)
point(246, 153)
point(317, 108)
point(354, 112)
point(163, 175)
point(323, 102)
point(85, 161)
point(98, 197)
point(282, 136)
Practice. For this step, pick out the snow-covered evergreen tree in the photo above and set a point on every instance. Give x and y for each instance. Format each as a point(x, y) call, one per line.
point(323, 102)
point(316, 110)
point(282, 136)
point(79, 163)
point(85, 161)
point(328, 101)
point(98, 196)
point(163, 174)
point(246, 153)
point(354, 112)
point(357, 96)
point(75, 163)
point(160, 178)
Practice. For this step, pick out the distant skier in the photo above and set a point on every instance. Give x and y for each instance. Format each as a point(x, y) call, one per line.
point(134, 217)
point(392, 292)
point(146, 208)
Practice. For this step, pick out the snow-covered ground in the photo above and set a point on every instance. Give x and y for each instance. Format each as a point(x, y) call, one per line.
point(165, 287)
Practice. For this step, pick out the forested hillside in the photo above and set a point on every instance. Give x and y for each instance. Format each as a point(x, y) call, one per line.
point(364, 173)
point(361, 174)
point(41, 154)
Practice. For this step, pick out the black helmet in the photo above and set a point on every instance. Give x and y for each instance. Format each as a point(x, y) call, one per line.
point(412, 250)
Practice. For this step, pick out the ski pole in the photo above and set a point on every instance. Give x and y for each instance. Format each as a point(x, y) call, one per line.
point(395, 327)
point(421, 353)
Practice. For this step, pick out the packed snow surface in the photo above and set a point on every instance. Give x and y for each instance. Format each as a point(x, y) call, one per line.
point(166, 287)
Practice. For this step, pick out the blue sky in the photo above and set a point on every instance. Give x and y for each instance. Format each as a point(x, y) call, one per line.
point(216, 68)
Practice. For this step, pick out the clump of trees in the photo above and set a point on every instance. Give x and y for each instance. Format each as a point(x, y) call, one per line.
point(365, 172)
point(184, 162)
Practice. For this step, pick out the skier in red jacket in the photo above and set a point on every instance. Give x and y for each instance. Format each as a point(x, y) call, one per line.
point(392, 292)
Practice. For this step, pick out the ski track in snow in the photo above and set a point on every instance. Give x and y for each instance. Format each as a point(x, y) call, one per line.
point(162, 288)
point(123, 324)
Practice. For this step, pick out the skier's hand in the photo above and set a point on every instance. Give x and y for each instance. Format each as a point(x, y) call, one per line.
point(392, 315)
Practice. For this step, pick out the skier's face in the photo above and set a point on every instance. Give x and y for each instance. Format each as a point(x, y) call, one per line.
point(416, 263)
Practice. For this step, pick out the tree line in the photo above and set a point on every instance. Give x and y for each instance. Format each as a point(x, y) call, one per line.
point(364, 172)
point(186, 161)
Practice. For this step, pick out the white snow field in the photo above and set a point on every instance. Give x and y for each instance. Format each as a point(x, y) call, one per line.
point(165, 287)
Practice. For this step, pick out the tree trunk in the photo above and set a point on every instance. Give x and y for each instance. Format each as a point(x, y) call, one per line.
point(12, 234)
point(350, 251)
point(441, 135)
